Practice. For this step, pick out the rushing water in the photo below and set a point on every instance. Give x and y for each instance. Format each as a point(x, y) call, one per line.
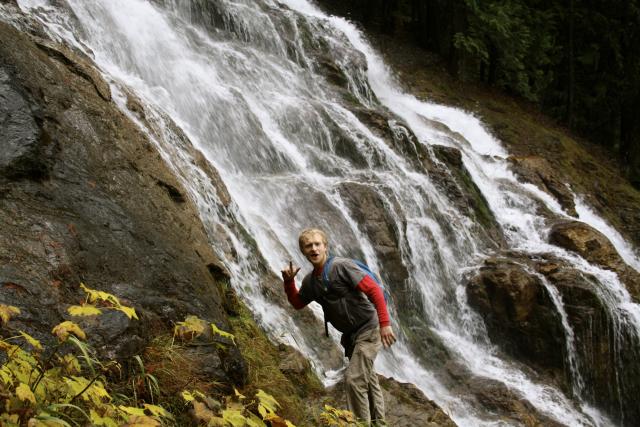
point(244, 82)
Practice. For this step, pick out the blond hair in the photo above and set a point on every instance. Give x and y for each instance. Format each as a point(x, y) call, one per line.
point(306, 233)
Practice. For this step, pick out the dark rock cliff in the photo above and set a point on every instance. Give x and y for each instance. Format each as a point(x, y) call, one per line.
point(86, 198)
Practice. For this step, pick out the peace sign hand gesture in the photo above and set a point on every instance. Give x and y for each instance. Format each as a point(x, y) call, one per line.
point(289, 273)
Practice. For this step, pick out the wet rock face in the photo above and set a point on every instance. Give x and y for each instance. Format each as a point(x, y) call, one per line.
point(539, 172)
point(586, 241)
point(522, 319)
point(367, 205)
point(592, 329)
point(602, 347)
point(497, 398)
point(597, 249)
point(517, 312)
point(604, 344)
point(86, 198)
point(407, 406)
point(26, 148)
point(456, 182)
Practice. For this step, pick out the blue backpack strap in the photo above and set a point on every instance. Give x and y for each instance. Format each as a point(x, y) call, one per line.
point(325, 272)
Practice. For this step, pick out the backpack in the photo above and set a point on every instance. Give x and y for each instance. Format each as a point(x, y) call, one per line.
point(365, 268)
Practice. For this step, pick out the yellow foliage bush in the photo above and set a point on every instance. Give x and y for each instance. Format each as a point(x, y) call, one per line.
point(63, 389)
point(67, 386)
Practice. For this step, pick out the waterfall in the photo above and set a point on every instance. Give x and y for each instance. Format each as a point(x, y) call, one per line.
point(272, 93)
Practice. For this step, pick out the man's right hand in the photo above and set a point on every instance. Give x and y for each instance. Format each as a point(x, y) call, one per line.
point(289, 273)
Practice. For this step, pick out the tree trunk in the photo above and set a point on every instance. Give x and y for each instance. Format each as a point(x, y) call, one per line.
point(571, 53)
point(630, 139)
point(492, 74)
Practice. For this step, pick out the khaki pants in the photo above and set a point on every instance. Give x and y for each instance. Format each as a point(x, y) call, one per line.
point(364, 396)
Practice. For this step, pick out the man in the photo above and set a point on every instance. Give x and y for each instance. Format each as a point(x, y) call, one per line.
point(354, 304)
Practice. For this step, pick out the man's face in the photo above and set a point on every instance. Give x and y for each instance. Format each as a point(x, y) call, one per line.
point(315, 250)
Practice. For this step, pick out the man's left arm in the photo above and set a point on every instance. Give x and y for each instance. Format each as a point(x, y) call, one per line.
point(371, 289)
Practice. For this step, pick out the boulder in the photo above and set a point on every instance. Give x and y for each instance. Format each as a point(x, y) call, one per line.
point(537, 171)
point(405, 404)
point(499, 399)
point(518, 313)
point(597, 249)
point(587, 242)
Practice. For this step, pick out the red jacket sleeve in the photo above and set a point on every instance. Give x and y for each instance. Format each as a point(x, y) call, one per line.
point(292, 294)
point(376, 296)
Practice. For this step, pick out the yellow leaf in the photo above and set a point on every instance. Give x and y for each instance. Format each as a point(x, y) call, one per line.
point(263, 411)
point(222, 333)
point(7, 311)
point(21, 369)
point(97, 392)
point(70, 364)
point(94, 392)
point(129, 311)
point(190, 328)
point(157, 411)
point(31, 340)
point(84, 310)
point(95, 295)
point(234, 417)
point(267, 401)
point(132, 410)
point(187, 396)
point(276, 421)
point(238, 394)
point(19, 354)
point(5, 375)
point(67, 327)
point(254, 421)
point(76, 385)
point(24, 393)
point(97, 420)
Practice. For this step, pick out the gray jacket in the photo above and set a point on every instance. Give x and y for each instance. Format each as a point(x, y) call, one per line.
point(345, 307)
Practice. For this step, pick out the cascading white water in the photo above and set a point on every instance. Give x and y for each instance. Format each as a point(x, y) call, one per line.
point(244, 86)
